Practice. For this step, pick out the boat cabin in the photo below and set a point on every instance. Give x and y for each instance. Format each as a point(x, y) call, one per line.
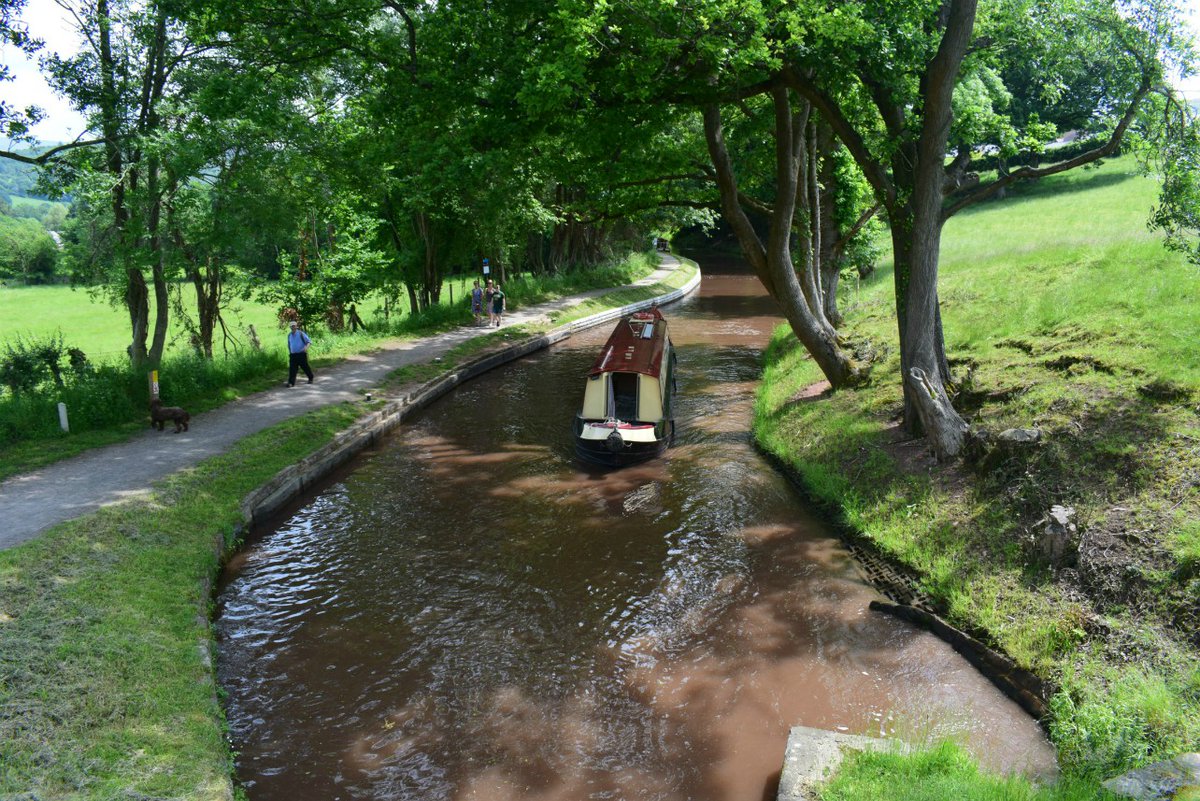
point(626, 412)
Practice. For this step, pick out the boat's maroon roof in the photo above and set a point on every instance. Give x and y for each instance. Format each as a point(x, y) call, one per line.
point(627, 352)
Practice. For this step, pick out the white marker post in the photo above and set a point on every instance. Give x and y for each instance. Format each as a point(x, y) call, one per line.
point(62, 417)
point(153, 385)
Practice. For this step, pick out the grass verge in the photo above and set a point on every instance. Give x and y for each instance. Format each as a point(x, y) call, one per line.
point(1063, 314)
point(941, 772)
point(106, 684)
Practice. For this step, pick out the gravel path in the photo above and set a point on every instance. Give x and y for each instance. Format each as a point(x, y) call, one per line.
point(32, 503)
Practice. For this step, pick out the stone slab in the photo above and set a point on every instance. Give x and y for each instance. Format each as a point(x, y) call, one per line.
point(1176, 778)
point(813, 755)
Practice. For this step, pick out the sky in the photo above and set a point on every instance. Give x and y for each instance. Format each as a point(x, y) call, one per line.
point(47, 21)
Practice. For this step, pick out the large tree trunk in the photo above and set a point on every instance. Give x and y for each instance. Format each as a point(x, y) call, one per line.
point(922, 344)
point(829, 259)
point(158, 269)
point(804, 206)
point(772, 262)
point(136, 294)
point(917, 237)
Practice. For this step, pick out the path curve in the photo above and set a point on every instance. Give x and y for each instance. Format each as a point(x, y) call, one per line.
point(32, 503)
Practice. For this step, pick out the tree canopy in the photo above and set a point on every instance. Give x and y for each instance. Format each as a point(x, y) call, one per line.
point(345, 146)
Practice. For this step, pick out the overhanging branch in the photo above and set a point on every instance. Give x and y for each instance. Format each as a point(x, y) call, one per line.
point(44, 158)
point(1030, 173)
point(873, 170)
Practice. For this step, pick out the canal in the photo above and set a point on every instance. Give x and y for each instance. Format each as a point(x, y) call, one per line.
point(470, 614)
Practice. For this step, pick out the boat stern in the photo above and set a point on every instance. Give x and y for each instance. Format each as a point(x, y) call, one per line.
point(614, 444)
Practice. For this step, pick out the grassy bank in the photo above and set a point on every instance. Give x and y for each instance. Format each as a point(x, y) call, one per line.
point(106, 681)
point(106, 685)
point(108, 404)
point(941, 773)
point(1062, 313)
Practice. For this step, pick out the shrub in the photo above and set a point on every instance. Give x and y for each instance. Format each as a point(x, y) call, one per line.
point(26, 364)
point(109, 395)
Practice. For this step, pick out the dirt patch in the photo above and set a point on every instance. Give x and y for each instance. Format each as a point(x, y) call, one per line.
point(1023, 345)
point(971, 399)
point(1071, 363)
point(912, 455)
point(1115, 552)
point(1164, 391)
point(811, 393)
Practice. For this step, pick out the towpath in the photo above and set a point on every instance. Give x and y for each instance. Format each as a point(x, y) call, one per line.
point(32, 503)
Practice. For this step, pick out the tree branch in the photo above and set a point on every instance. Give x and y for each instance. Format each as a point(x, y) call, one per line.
point(875, 172)
point(1030, 173)
point(412, 33)
point(49, 154)
point(844, 239)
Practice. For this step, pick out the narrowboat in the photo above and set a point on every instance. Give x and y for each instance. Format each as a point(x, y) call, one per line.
point(626, 416)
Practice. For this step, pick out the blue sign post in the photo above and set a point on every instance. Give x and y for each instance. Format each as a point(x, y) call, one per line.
point(487, 268)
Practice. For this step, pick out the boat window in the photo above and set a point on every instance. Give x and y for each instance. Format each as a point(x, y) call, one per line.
point(648, 331)
point(624, 389)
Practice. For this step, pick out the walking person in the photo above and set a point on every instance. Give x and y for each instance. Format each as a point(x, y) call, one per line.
point(298, 343)
point(498, 305)
point(487, 301)
point(477, 303)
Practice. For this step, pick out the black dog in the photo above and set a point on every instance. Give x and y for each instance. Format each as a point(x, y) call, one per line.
point(159, 414)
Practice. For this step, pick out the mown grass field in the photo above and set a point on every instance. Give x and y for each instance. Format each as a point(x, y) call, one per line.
point(87, 320)
point(1062, 313)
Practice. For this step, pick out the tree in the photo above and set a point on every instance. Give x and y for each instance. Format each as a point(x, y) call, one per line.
point(1170, 149)
point(795, 286)
point(885, 78)
point(123, 79)
point(27, 252)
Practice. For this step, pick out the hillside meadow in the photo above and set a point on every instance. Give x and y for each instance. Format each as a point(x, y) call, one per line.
point(1063, 314)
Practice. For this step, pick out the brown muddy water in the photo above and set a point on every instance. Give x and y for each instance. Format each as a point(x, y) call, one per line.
point(470, 614)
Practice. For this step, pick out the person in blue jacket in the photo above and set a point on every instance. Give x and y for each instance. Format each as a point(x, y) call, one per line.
point(298, 343)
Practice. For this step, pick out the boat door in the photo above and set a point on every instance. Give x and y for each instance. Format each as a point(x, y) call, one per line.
point(624, 387)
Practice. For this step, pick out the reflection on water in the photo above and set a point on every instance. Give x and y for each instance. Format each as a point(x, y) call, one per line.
point(470, 614)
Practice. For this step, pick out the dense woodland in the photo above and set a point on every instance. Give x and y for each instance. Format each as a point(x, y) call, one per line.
point(349, 146)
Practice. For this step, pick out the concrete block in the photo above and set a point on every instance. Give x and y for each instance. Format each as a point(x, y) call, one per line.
point(814, 754)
